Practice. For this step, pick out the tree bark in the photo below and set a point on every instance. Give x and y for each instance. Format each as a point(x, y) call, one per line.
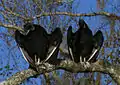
point(99, 66)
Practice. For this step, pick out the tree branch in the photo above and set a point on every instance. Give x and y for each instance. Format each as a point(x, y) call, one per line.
point(99, 66)
point(107, 14)
point(10, 26)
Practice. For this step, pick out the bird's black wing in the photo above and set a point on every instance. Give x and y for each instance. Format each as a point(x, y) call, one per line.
point(70, 36)
point(55, 39)
point(27, 57)
point(20, 44)
point(98, 42)
point(52, 55)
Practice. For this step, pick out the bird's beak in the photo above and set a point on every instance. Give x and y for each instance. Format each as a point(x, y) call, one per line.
point(23, 32)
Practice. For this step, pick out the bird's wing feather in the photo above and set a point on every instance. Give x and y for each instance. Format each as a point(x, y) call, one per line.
point(50, 53)
point(27, 57)
point(70, 51)
point(92, 55)
point(69, 41)
point(98, 41)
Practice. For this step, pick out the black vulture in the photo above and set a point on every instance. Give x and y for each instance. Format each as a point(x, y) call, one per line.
point(82, 45)
point(35, 44)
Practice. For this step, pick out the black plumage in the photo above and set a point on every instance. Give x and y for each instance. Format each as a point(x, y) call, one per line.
point(82, 43)
point(98, 42)
point(55, 39)
point(35, 44)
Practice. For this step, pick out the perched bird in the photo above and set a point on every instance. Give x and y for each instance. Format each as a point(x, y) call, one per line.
point(35, 44)
point(82, 43)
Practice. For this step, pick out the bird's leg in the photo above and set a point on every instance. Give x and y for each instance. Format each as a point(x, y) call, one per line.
point(82, 62)
point(37, 61)
point(84, 59)
point(86, 63)
point(80, 59)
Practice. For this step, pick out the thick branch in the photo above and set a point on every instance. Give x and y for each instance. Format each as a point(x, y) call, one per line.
point(99, 66)
point(107, 14)
point(19, 77)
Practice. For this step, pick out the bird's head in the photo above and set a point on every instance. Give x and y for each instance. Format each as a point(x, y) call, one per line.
point(69, 29)
point(82, 24)
point(27, 28)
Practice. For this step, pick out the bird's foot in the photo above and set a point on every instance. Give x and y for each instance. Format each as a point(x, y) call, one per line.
point(39, 64)
point(81, 62)
point(37, 61)
point(86, 64)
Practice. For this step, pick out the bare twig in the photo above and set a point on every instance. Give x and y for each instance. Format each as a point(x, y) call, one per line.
point(8, 11)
